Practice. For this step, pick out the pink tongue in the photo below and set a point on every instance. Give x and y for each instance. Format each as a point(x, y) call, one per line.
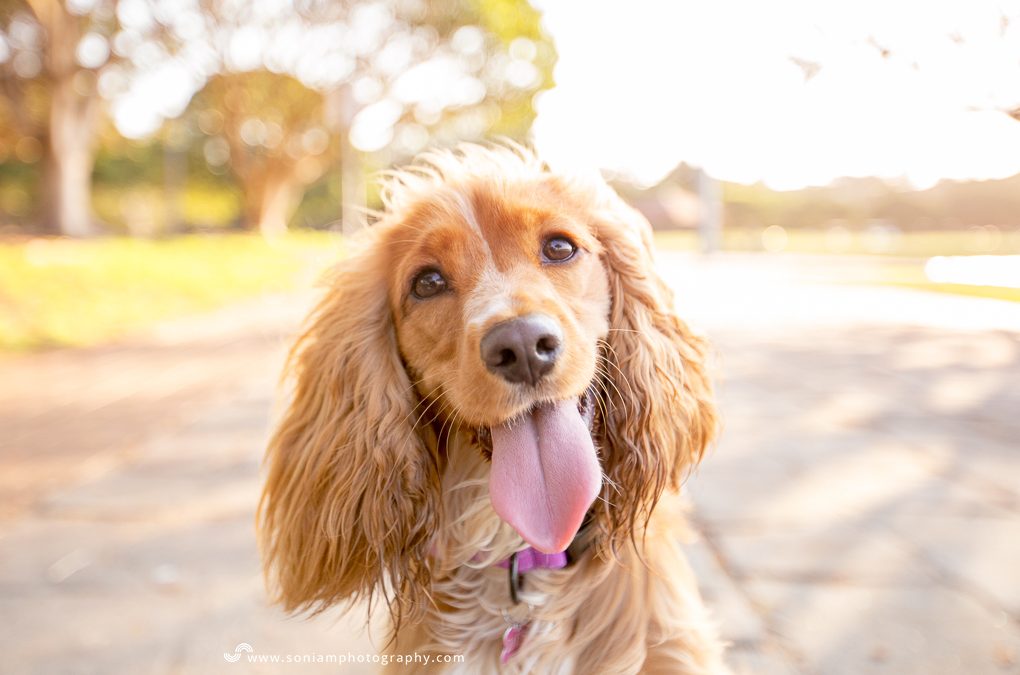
point(545, 475)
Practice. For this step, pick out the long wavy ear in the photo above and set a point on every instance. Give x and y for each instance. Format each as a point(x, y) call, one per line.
point(351, 496)
point(661, 414)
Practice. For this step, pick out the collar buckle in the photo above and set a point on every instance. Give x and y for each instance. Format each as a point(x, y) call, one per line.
point(516, 581)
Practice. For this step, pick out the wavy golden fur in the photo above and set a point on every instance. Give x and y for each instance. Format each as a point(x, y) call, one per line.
point(377, 474)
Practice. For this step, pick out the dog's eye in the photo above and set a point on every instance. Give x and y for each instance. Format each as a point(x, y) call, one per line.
point(558, 249)
point(428, 284)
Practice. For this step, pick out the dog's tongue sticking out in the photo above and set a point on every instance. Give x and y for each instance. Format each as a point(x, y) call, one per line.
point(545, 474)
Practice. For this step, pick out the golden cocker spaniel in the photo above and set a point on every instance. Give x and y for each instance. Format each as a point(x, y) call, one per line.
point(494, 405)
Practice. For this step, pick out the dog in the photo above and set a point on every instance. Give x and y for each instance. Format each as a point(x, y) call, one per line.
point(493, 408)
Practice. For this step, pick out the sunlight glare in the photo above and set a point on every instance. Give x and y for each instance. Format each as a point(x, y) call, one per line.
point(792, 93)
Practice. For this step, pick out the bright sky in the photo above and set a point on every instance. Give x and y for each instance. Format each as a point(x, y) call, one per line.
point(645, 84)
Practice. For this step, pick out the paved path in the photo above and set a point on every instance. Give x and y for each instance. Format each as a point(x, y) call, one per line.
point(864, 503)
point(861, 514)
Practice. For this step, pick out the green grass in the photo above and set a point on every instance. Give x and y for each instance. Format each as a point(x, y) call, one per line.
point(57, 292)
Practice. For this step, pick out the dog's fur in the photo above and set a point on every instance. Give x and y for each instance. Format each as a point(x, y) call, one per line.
point(377, 477)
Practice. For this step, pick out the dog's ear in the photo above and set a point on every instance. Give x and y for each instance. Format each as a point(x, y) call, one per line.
point(351, 497)
point(661, 414)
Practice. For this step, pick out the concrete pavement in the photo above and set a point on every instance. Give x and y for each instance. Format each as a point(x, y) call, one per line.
point(863, 505)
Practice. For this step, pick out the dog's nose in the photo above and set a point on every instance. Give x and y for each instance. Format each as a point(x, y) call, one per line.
point(523, 349)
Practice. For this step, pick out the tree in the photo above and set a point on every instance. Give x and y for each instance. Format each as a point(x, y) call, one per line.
point(380, 79)
point(314, 83)
point(271, 131)
point(49, 82)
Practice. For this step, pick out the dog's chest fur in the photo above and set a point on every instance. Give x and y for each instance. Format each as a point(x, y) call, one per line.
point(474, 608)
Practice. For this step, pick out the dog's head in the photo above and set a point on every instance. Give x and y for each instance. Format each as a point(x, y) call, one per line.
point(497, 299)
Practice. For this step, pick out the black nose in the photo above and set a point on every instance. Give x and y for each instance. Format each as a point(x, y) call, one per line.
point(523, 349)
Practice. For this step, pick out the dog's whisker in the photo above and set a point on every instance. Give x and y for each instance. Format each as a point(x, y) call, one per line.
point(615, 355)
point(601, 393)
point(451, 421)
point(611, 483)
point(424, 399)
point(428, 396)
point(609, 382)
point(432, 401)
point(612, 362)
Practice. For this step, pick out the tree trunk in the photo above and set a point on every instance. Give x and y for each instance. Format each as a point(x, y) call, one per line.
point(270, 202)
point(67, 179)
point(352, 176)
point(68, 165)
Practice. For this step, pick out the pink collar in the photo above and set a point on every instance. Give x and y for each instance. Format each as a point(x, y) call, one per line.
point(533, 559)
point(530, 559)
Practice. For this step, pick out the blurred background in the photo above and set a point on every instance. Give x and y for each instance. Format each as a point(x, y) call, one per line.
point(835, 189)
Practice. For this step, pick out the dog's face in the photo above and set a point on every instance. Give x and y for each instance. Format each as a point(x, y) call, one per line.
point(499, 299)
point(507, 303)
